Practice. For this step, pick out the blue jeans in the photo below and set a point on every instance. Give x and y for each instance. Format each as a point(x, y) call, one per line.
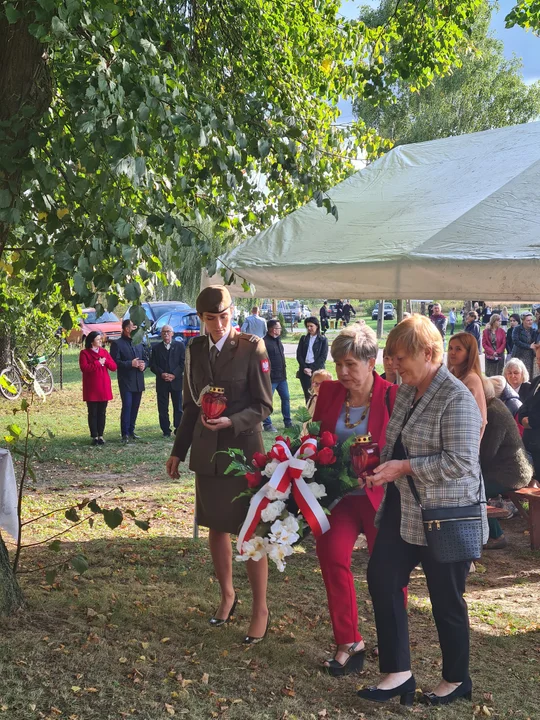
point(129, 412)
point(283, 392)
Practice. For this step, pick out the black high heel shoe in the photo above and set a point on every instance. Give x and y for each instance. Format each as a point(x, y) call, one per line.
point(249, 640)
point(354, 663)
point(463, 691)
point(406, 692)
point(218, 622)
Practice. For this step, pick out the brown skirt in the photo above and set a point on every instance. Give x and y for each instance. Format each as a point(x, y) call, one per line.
point(214, 506)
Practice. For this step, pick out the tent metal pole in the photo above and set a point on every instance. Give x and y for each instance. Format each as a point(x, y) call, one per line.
point(399, 310)
point(380, 319)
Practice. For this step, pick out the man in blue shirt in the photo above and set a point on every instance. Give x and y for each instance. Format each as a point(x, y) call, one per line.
point(254, 324)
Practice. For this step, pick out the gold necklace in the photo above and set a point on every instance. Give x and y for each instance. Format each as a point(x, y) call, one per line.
point(348, 423)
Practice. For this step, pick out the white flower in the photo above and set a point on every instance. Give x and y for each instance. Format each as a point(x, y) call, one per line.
point(253, 549)
point(270, 467)
point(273, 494)
point(280, 534)
point(272, 511)
point(318, 489)
point(290, 524)
point(278, 553)
point(309, 470)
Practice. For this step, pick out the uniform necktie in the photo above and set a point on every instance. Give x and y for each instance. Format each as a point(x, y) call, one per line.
point(214, 352)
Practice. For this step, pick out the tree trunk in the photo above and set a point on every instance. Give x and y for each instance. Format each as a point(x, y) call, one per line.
point(5, 346)
point(380, 319)
point(399, 310)
point(25, 84)
point(11, 597)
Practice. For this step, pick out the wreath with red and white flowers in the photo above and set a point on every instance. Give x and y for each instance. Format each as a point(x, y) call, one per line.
point(292, 489)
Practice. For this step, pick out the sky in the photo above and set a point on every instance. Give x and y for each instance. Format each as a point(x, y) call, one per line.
point(516, 42)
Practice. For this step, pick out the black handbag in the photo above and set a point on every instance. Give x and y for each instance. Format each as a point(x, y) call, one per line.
point(453, 534)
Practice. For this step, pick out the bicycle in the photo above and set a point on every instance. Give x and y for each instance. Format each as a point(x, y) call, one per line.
point(36, 374)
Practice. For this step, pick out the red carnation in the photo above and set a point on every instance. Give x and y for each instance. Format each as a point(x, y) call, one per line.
point(254, 479)
point(328, 439)
point(326, 456)
point(259, 460)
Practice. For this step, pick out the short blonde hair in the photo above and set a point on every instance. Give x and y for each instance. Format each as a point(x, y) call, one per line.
point(499, 383)
point(321, 375)
point(414, 335)
point(358, 340)
point(489, 389)
point(520, 365)
point(493, 318)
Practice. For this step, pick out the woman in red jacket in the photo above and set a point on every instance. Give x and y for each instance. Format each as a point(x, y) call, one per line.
point(358, 403)
point(494, 344)
point(95, 363)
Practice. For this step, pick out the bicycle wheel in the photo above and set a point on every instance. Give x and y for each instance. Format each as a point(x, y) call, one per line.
point(44, 378)
point(10, 383)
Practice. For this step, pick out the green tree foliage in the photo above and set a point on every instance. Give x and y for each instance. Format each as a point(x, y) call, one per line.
point(126, 123)
point(526, 14)
point(485, 91)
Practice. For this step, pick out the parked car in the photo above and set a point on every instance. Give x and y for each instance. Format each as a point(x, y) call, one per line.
point(155, 310)
point(108, 324)
point(185, 325)
point(389, 312)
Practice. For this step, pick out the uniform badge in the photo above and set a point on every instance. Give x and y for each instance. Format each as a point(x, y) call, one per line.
point(265, 365)
point(232, 343)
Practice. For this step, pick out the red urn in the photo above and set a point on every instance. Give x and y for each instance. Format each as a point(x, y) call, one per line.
point(214, 402)
point(365, 455)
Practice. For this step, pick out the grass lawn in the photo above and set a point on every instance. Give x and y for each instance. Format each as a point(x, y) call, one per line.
point(130, 638)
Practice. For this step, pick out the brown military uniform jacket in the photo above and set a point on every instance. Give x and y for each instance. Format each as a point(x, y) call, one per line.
point(243, 370)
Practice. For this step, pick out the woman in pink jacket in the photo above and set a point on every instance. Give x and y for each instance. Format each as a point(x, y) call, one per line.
point(494, 344)
point(95, 363)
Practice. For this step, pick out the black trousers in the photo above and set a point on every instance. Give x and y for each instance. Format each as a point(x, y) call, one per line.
point(97, 412)
point(305, 381)
point(163, 395)
point(389, 569)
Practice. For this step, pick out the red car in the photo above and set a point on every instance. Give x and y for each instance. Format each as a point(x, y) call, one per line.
point(107, 324)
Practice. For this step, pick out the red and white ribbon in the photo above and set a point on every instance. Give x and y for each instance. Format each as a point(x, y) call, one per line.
point(287, 473)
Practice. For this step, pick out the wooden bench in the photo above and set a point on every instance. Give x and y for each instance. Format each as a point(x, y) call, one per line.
point(496, 512)
point(532, 515)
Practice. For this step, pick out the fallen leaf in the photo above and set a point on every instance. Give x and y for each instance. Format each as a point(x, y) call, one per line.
point(488, 696)
point(122, 660)
point(75, 688)
point(169, 709)
point(322, 713)
point(145, 645)
point(288, 691)
point(165, 640)
point(205, 678)
point(91, 613)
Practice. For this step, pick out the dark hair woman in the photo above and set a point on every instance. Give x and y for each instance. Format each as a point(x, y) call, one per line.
point(433, 438)
point(95, 363)
point(513, 321)
point(524, 338)
point(311, 353)
point(357, 404)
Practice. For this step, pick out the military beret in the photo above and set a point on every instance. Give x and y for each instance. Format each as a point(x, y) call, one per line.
point(213, 299)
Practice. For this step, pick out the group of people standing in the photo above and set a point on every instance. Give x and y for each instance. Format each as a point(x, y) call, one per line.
point(429, 429)
point(130, 362)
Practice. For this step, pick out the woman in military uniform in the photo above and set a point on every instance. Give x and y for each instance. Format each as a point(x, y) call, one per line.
point(238, 363)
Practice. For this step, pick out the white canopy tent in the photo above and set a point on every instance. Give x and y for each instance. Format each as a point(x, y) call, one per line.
point(451, 218)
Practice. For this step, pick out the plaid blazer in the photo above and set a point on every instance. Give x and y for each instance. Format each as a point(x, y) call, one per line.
point(442, 440)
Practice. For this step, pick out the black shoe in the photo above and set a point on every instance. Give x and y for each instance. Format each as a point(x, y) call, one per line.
point(125, 440)
point(406, 692)
point(249, 640)
point(288, 424)
point(100, 441)
point(167, 435)
point(133, 436)
point(354, 663)
point(218, 622)
point(270, 428)
point(463, 691)
point(94, 441)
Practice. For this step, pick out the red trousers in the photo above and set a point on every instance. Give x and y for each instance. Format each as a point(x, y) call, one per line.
point(354, 514)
